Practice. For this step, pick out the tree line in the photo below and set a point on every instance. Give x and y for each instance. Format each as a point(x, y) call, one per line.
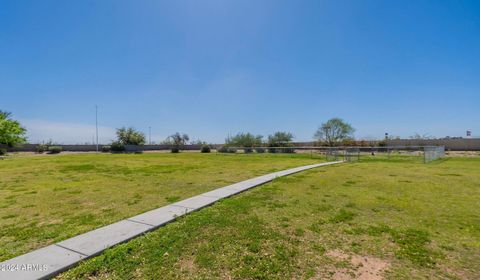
point(333, 132)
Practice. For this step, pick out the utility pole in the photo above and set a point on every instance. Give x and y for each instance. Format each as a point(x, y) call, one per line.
point(149, 135)
point(96, 124)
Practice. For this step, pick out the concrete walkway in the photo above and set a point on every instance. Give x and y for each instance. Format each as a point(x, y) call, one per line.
point(49, 261)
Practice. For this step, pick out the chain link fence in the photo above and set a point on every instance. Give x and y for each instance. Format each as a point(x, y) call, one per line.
point(350, 154)
point(432, 153)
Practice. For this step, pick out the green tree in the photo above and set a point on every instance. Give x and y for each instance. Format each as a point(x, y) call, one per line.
point(280, 139)
point(11, 132)
point(247, 140)
point(130, 136)
point(334, 131)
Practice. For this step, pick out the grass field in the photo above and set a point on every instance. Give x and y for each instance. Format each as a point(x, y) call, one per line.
point(49, 198)
point(398, 219)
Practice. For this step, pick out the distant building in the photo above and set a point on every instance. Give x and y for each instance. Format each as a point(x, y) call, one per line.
point(450, 137)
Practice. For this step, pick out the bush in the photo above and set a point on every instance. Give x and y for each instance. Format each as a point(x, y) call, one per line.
point(222, 149)
point(106, 149)
point(55, 149)
point(117, 147)
point(225, 149)
point(244, 140)
point(279, 139)
point(40, 149)
point(3, 152)
point(205, 149)
point(175, 150)
point(260, 150)
point(280, 150)
point(247, 150)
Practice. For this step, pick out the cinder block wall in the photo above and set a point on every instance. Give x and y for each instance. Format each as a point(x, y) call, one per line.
point(93, 148)
point(450, 144)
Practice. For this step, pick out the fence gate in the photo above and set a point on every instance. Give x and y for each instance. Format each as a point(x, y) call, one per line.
point(352, 154)
point(331, 154)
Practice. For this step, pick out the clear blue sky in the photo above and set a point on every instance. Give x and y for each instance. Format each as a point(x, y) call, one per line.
point(209, 68)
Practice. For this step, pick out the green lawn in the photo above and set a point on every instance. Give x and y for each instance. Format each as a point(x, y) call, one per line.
point(49, 198)
point(397, 219)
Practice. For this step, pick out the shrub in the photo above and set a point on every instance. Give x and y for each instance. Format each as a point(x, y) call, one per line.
point(280, 150)
point(55, 149)
point(106, 149)
point(382, 143)
point(41, 148)
point(205, 149)
point(260, 150)
point(247, 150)
point(117, 147)
point(226, 149)
point(175, 150)
point(350, 142)
point(280, 139)
point(244, 140)
point(3, 151)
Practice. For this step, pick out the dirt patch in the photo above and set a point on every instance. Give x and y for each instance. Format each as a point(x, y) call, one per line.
point(364, 267)
point(187, 265)
point(462, 153)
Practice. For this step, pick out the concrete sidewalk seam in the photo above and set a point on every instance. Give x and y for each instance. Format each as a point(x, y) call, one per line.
point(63, 247)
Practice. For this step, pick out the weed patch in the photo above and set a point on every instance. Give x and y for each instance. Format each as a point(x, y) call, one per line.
point(342, 216)
point(172, 199)
point(413, 246)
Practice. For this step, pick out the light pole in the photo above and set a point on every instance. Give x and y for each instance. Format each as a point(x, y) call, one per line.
point(96, 124)
point(386, 144)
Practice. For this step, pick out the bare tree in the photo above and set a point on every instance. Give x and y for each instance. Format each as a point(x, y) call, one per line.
point(177, 140)
point(334, 131)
